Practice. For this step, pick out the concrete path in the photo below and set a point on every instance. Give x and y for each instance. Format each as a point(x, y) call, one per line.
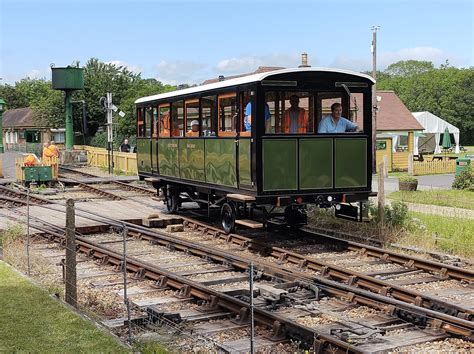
point(429, 182)
point(438, 210)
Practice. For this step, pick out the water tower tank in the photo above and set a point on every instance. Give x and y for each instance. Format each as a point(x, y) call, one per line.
point(68, 79)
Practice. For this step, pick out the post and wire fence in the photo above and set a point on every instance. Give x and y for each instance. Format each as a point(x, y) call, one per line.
point(66, 271)
point(85, 288)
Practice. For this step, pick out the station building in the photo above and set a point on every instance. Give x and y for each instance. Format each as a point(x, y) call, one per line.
point(21, 133)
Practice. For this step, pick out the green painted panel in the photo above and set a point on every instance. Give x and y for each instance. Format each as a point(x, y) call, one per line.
point(245, 167)
point(351, 162)
point(168, 157)
point(143, 155)
point(191, 159)
point(221, 161)
point(315, 163)
point(154, 156)
point(279, 164)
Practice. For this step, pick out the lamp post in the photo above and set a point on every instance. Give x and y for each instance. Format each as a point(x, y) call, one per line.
point(2, 107)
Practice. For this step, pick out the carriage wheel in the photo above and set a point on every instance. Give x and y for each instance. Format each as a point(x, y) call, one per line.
point(172, 200)
point(228, 215)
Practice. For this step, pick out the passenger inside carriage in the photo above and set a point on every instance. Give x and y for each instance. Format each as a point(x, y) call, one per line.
point(248, 116)
point(194, 129)
point(295, 118)
point(336, 123)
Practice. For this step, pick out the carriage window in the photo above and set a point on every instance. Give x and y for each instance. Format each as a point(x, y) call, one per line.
point(246, 120)
point(164, 112)
point(357, 110)
point(208, 115)
point(227, 107)
point(290, 112)
point(177, 118)
point(148, 120)
point(192, 118)
point(140, 123)
point(155, 122)
point(349, 110)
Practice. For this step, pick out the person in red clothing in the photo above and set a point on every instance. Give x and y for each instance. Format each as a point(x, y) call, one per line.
point(295, 119)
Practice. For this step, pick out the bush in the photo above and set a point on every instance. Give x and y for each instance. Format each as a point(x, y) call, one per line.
point(407, 179)
point(396, 214)
point(464, 180)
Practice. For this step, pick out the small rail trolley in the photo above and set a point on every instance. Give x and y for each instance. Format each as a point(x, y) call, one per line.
point(261, 147)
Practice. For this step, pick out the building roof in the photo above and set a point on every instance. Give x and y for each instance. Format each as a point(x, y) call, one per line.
point(19, 117)
point(260, 70)
point(245, 80)
point(393, 114)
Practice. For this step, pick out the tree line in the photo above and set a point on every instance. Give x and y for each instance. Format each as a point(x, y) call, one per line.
point(99, 78)
point(446, 91)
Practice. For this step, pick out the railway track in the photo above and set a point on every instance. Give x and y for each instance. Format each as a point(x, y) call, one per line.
point(285, 290)
point(291, 267)
point(120, 185)
point(415, 270)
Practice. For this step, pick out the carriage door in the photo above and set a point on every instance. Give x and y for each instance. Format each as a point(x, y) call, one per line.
point(244, 150)
point(154, 142)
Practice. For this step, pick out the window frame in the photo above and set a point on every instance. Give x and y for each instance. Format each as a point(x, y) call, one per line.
point(155, 130)
point(242, 113)
point(214, 114)
point(140, 123)
point(185, 124)
point(283, 95)
point(151, 122)
point(160, 134)
point(219, 98)
point(173, 118)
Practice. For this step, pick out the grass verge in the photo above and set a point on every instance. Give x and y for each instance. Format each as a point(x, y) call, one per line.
point(427, 231)
point(31, 321)
point(436, 232)
point(450, 198)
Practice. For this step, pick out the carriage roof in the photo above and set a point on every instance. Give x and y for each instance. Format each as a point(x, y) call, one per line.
point(245, 80)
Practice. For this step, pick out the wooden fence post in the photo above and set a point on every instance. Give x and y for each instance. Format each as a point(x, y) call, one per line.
point(410, 164)
point(385, 166)
point(70, 273)
point(381, 195)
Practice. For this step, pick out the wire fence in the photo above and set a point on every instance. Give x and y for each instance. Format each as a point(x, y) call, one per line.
point(89, 283)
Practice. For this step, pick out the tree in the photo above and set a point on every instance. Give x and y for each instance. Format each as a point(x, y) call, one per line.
point(12, 97)
point(100, 78)
point(407, 68)
point(447, 92)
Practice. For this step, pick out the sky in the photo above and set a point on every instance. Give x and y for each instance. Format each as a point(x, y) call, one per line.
point(190, 41)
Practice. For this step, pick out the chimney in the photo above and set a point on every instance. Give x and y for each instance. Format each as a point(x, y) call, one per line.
point(304, 61)
point(221, 78)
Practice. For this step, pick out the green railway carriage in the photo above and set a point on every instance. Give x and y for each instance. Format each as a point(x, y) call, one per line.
point(238, 145)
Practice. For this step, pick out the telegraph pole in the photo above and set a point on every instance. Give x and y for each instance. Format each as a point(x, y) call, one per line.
point(110, 132)
point(374, 95)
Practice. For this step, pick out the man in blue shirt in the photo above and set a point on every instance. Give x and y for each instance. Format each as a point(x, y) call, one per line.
point(248, 116)
point(335, 123)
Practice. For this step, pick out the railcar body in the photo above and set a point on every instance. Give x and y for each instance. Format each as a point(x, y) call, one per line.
point(232, 143)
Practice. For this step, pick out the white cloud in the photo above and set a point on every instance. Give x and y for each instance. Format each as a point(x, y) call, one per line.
point(133, 68)
point(249, 63)
point(384, 59)
point(180, 72)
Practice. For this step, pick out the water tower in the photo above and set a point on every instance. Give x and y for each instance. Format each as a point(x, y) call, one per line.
point(68, 79)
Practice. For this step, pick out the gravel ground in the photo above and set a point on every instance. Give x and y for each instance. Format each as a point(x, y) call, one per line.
point(376, 268)
point(315, 321)
point(450, 345)
point(436, 285)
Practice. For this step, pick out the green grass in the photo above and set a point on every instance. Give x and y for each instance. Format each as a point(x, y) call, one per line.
point(446, 234)
point(450, 198)
point(31, 321)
